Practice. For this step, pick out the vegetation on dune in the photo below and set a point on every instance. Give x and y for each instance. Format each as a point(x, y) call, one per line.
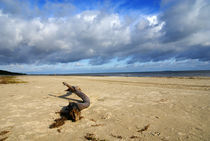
point(10, 80)
point(3, 72)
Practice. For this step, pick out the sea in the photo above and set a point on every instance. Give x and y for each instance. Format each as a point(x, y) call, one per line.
point(200, 73)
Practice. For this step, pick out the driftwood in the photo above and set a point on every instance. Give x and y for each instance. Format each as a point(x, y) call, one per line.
point(70, 88)
point(85, 100)
point(73, 110)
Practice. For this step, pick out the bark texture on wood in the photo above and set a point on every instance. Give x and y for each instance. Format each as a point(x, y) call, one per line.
point(78, 92)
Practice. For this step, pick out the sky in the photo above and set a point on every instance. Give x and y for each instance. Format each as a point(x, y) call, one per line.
point(84, 36)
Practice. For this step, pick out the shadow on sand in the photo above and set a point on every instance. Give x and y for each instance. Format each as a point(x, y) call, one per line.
point(64, 96)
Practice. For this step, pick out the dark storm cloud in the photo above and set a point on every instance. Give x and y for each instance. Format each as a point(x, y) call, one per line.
point(180, 31)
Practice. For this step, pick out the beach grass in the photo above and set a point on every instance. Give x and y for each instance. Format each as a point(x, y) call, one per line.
point(10, 80)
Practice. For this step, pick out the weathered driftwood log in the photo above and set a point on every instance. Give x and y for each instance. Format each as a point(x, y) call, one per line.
point(73, 110)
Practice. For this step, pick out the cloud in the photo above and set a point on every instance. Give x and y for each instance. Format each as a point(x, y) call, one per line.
point(179, 31)
point(185, 18)
point(86, 35)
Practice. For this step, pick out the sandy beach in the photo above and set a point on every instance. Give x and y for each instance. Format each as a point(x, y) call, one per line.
point(168, 109)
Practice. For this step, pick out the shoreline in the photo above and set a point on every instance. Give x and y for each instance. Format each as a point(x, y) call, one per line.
point(185, 73)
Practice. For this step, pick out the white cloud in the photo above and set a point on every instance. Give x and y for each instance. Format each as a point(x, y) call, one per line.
point(45, 40)
point(180, 31)
point(152, 20)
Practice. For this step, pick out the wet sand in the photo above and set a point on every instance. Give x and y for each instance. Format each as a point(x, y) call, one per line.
point(122, 108)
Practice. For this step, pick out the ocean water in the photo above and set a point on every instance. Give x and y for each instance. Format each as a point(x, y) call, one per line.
point(204, 73)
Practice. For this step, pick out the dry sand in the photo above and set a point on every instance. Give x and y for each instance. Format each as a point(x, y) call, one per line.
point(174, 108)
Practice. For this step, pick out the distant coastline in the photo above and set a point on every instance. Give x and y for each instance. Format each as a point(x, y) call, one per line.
point(191, 73)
